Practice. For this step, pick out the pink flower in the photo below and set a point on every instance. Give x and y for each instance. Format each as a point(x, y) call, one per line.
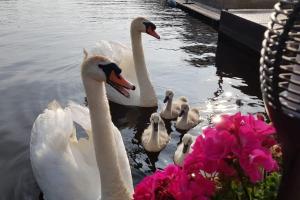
point(144, 190)
point(261, 130)
point(174, 184)
point(192, 187)
point(165, 178)
point(237, 139)
point(260, 117)
point(210, 152)
point(258, 126)
point(255, 162)
point(155, 187)
point(193, 163)
point(228, 123)
point(248, 138)
point(217, 144)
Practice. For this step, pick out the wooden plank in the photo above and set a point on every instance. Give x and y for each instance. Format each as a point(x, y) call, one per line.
point(242, 30)
point(259, 16)
point(202, 9)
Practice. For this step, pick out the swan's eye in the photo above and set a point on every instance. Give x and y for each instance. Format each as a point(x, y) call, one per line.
point(100, 66)
point(149, 25)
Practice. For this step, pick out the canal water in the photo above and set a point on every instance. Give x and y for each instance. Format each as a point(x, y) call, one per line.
point(41, 46)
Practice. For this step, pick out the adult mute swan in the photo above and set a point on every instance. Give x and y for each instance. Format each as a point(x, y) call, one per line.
point(183, 149)
point(132, 63)
point(188, 118)
point(172, 109)
point(155, 137)
point(87, 169)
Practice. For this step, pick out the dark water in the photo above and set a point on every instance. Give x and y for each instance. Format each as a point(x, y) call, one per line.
point(40, 52)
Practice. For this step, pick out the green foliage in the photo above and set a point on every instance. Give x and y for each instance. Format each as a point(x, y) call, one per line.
point(244, 190)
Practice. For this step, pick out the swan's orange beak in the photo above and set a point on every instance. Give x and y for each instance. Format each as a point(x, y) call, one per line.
point(152, 32)
point(120, 84)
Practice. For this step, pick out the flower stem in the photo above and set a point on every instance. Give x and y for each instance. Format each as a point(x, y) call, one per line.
point(244, 187)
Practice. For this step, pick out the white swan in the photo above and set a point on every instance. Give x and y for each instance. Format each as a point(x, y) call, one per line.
point(132, 62)
point(90, 168)
point(172, 109)
point(187, 118)
point(155, 137)
point(183, 149)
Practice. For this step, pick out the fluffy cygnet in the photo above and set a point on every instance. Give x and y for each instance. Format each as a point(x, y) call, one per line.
point(188, 118)
point(172, 109)
point(155, 137)
point(183, 149)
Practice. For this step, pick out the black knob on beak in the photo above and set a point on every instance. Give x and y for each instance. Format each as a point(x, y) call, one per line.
point(181, 113)
point(185, 148)
point(155, 126)
point(166, 99)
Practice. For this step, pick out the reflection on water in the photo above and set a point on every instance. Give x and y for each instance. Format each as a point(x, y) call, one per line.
point(41, 49)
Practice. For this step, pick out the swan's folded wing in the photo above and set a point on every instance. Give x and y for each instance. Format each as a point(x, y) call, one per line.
point(52, 128)
point(81, 115)
point(104, 48)
point(83, 150)
point(62, 167)
point(195, 111)
point(50, 152)
point(113, 50)
point(178, 155)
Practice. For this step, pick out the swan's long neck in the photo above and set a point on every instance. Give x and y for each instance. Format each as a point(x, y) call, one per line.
point(185, 117)
point(188, 150)
point(169, 104)
point(147, 93)
point(112, 184)
point(154, 135)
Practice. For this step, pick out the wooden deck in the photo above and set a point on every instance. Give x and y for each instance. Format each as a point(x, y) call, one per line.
point(258, 16)
point(207, 13)
point(240, 30)
point(245, 26)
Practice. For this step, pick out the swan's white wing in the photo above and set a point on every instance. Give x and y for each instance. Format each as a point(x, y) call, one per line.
point(195, 112)
point(61, 165)
point(85, 147)
point(164, 137)
point(81, 115)
point(178, 155)
point(146, 136)
point(113, 50)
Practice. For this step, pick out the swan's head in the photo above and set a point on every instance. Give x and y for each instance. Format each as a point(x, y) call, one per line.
point(101, 69)
point(154, 119)
point(169, 96)
point(184, 109)
point(143, 25)
point(187, 141)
